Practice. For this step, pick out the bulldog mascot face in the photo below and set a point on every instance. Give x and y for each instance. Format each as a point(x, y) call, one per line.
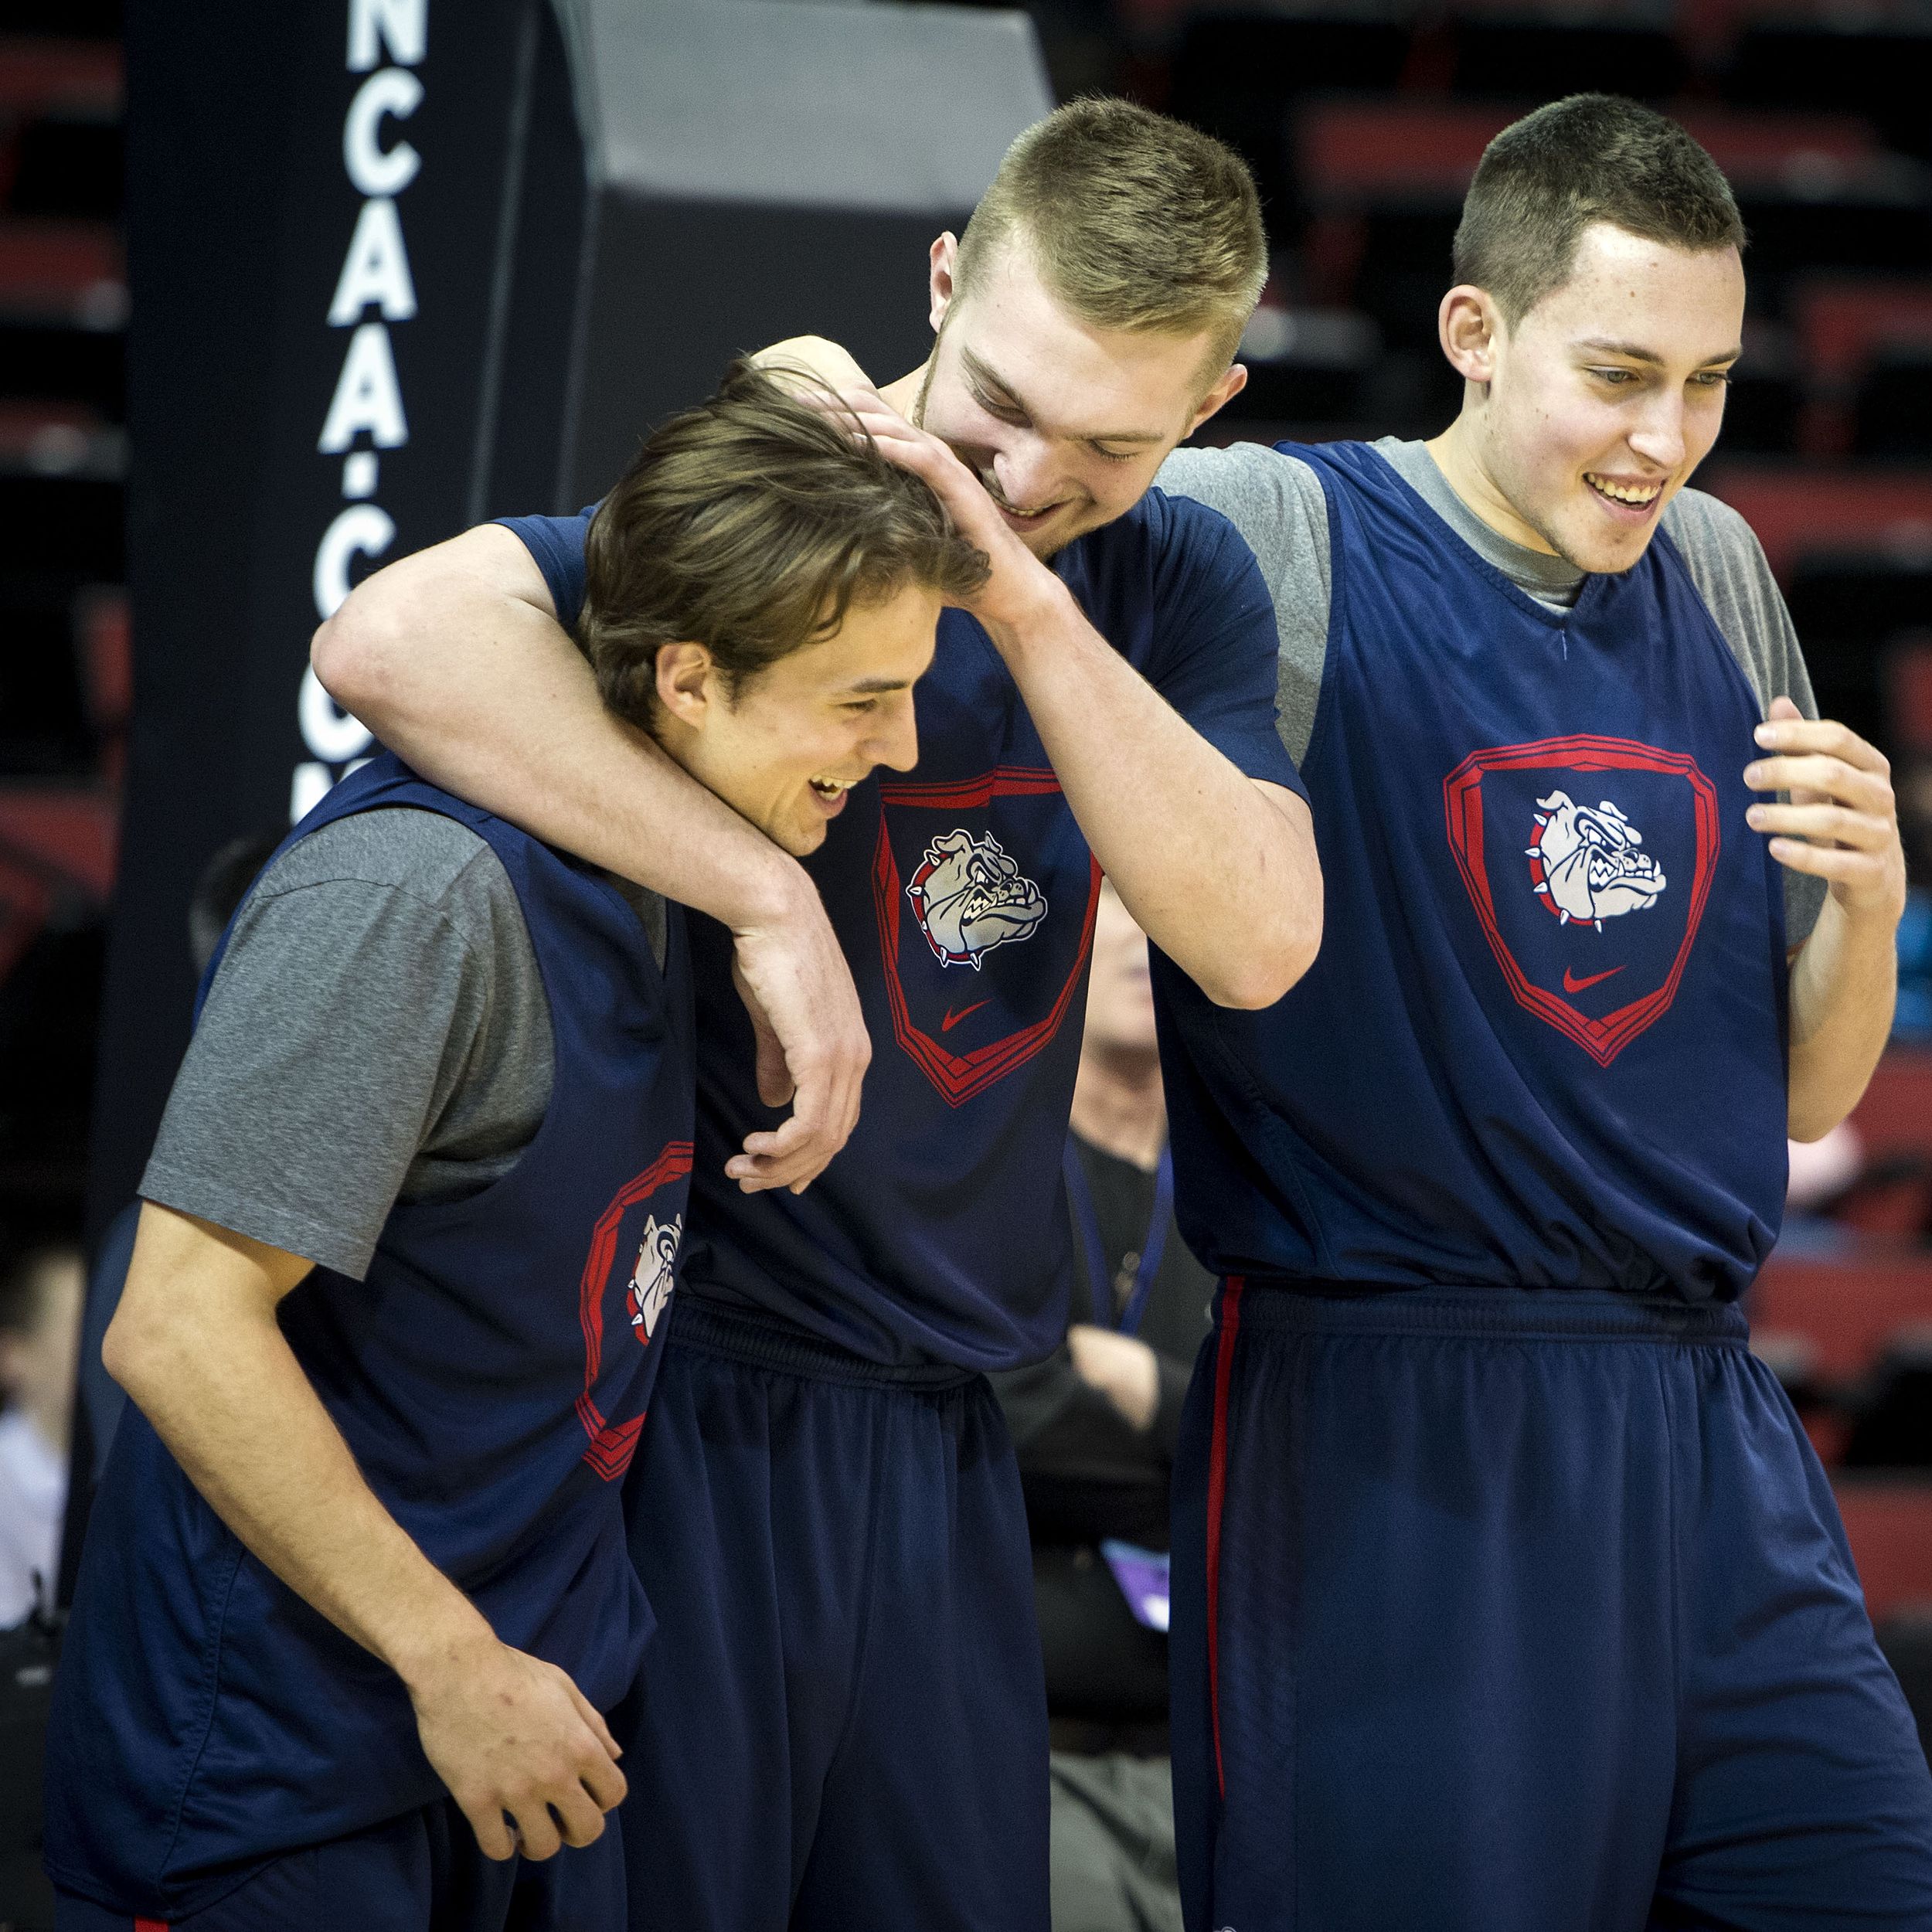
point(1592, 866)
point(971, 897)
point(653, 1278)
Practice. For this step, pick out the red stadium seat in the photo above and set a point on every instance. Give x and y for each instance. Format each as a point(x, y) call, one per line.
point(1797, 511)
point(1888, 1521)
point(60, 76)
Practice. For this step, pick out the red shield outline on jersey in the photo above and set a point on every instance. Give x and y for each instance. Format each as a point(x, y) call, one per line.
point(613, 1443)
point(958, 1076)
point(1604, 1039)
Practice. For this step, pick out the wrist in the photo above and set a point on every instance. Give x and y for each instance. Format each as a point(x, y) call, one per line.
point(1037, 608)
point(765, 893)
point(449, 1646)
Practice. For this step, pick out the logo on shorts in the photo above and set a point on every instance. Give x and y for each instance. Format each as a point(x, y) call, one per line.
point(969, 897)
point(653, 1278)
point(1586, 865)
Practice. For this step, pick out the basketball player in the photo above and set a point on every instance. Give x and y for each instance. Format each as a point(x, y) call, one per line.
point(1508, 1593)
point(356, 1587)
point(839, 1721)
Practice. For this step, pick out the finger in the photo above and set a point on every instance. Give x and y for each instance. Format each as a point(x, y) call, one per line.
point(1834, 862)
point(536, 1833)
point(578, 1821)
point(1782, 708)
point(775, 1084)
point(494, 1839)
point(1822, 735)
point(606, 1784)
point(1831, 777)
point(593, 1720)
point(1826, 825)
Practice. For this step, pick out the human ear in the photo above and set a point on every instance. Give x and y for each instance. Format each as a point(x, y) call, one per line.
point(940, 285)
point(1468, 326)
point(1234, 380)
point(684, 681)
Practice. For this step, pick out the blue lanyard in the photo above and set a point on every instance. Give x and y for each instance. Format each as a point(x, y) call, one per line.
point(1088, 1219)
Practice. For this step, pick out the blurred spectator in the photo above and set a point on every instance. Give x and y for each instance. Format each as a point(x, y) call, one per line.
point(39, 1327)
point(1095, 1425)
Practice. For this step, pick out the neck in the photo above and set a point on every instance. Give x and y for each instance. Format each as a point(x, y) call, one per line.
point(1458, 454)
point(904, 395)
point(1119, 1107)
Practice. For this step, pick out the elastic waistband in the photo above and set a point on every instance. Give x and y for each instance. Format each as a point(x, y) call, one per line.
point(737, 1335)
point(1552, 1314)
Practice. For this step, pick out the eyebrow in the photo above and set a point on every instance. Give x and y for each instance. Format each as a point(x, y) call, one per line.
point(871, 687)
point(991, 378)
point(1632, 351)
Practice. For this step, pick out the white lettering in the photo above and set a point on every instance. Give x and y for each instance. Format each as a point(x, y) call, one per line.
point(376, 170)
point(402, 26)
point(333, 734)
point(363, 529)
point(311, 785)
point(376, 268)
point(367, 396)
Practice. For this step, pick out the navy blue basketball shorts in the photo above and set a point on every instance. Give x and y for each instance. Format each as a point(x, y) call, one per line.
point(422, 1871)
point(840, 1724)
point(1522, 1613)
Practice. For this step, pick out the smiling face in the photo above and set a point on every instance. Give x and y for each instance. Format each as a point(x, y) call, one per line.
point(786, 746)
point(1584, 419)
point(1063, 421)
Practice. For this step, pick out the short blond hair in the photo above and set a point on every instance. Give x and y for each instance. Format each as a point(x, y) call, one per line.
point(1133, 221)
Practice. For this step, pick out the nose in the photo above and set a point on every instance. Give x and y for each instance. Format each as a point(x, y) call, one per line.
point(895, 739)
point(1024, 470)
point(1658, 438)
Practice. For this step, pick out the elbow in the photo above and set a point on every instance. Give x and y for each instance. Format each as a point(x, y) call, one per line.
point(131, 1351)
point(1267, 975)
point(353, 655)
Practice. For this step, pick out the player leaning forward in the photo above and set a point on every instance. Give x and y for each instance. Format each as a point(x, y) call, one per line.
point(1509, 1594)
point(840, 1721)
point(358, 1571)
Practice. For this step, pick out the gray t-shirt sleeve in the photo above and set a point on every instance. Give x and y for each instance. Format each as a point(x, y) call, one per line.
point(377, 1031)
point(1276, 502)
point(1727, 564)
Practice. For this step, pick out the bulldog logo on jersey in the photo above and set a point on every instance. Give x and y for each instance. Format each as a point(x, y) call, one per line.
point(969, 897)
point(1589, 865)
point(652, 1278)
point(963, 874)
point(1593, 938)
point(658, 1192)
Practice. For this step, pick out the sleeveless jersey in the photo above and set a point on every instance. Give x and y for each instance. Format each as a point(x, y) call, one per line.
point(1544, 1043)
point(963, 895)
point(490, 1376)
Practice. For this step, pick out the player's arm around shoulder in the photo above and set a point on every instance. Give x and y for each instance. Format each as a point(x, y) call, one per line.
point(458, 659)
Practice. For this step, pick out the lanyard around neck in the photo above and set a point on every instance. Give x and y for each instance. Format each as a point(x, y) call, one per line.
point(1087, 1220)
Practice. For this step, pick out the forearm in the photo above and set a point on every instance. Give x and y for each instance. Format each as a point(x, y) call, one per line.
point(488, 697)
point(1844, 984)
point(1219, 877)
point(226, 1394)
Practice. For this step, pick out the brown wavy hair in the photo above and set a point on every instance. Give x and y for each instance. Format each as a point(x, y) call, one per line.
point(751, 525)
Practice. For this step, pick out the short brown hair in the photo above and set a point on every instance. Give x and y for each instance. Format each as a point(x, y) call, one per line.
point(751, 525)
point(1590, 158)
point(1134, 221)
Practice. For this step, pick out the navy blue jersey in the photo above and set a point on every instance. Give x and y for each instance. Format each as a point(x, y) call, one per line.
point(963, 895)
point(490, 1376)
point(1544, 1043)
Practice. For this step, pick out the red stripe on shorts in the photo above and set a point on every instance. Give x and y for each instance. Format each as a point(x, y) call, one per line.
point(1217, 1493)
point(151, 1925)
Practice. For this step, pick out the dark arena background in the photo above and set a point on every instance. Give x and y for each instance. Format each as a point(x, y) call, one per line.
point(289, 290)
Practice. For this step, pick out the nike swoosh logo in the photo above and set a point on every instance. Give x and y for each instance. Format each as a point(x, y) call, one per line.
point(953, 1019)
point(1571, 985)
